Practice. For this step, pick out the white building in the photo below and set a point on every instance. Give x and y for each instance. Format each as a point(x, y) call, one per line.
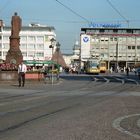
point(34, 42)
point(116, 46)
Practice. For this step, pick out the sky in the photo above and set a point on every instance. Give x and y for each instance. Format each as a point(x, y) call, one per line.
point(69, 16)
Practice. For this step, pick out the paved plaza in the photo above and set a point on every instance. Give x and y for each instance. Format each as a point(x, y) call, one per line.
point(78, 107)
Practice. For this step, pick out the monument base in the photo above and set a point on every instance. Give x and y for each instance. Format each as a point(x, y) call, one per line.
point(8, 75)
point(14, 57)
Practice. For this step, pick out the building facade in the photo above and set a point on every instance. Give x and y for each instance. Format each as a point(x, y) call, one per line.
point(117, 46)
point(34, 42)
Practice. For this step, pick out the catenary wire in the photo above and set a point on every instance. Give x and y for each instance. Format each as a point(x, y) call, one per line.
point(71, 10)
point(127, 21)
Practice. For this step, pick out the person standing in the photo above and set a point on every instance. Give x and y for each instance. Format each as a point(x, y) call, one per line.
point(127, 71)
point(22, 68)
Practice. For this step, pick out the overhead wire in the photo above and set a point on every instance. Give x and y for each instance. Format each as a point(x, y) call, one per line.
point(127, 21)
point(71, 10)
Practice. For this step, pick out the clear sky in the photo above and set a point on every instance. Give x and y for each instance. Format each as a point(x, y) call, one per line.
point(69, 16)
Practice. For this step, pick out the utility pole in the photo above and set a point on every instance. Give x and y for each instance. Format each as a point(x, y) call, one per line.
point(117, 56)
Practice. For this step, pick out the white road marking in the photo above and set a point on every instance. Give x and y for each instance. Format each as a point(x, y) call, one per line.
point(116, 125)
point(138, 123)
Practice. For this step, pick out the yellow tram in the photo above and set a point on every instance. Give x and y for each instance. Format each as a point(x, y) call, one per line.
point(102, 66)
point(92, 66)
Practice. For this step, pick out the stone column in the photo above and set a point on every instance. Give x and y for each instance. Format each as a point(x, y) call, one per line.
point(14, 55)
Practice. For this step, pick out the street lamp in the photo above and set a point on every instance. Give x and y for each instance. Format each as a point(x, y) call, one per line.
point(52, 47)
point(117, 45)
point(52, 44)
point(57, 50)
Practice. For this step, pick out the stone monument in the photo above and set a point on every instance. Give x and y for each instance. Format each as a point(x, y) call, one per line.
point(14, 55)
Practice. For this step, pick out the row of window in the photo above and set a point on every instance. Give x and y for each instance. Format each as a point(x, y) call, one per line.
point(114, 56)
point(123, 48)
point(28, 38)
point(115, 39)
point(29, 54)
point(33, 54)
point(24, 46)
point(125, 31)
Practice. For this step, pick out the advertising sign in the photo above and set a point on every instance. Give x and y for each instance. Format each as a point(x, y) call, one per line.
point(85, 46)
point(104, 25)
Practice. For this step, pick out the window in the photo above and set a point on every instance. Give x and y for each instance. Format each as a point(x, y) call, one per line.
point(24, 54)
point(123, 48)
point(102, 30)
point(40, 47)
point(102, 38)
point(115, 30)
point(111, 38)
point(46, 38)
point(138, 39)
point(23, 46)
point(106, 39)
point(6, 38)
point(129, 47)
point(31, 47)
point(4, 53)
point(40, 54)
point(123, 38)
point(40, 39)
point(23, 38)
point(31, 38)
point(6, 46)
point(115, 39)
point(133, 39)
point(112, 47)
point(129, 31)
point(133, 47)
point(31, 54)
point(138, 47)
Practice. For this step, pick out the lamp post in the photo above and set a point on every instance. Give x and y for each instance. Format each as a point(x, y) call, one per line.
point(52, 47)
point(58, 49)
point(117, 56)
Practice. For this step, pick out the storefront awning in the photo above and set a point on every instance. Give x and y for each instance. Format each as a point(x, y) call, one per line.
point(33, 62)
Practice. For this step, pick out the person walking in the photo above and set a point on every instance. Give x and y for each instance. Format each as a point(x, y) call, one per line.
point(22, 68)
point(127, 71)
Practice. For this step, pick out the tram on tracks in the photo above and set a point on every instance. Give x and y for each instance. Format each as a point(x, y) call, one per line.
point(102, 66)
point(92, 66)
